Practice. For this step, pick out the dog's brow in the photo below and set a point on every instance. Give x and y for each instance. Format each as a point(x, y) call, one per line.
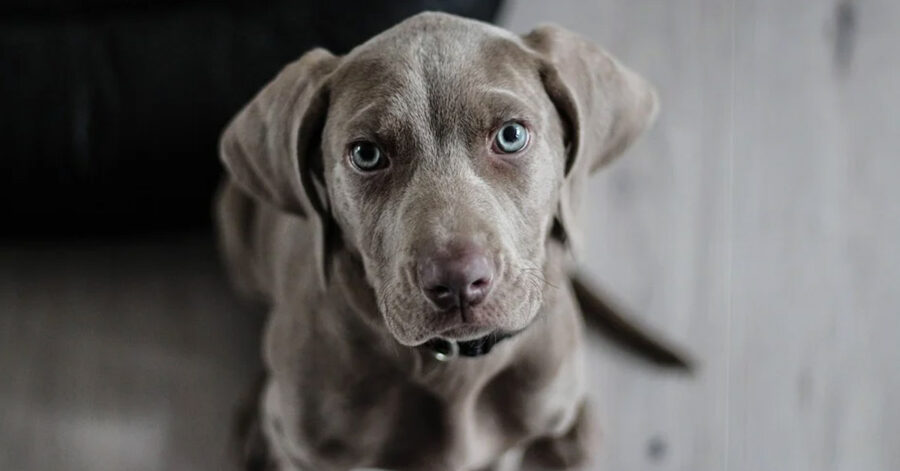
point(506, 98)
point(507, 94)
point(361, 111)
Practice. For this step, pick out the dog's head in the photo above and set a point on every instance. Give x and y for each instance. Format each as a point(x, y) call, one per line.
point(443, 153)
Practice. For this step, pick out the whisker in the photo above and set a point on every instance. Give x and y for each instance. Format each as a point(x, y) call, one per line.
point(537, 275)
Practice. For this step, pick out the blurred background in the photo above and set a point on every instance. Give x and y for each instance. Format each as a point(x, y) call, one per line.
point(757, 224)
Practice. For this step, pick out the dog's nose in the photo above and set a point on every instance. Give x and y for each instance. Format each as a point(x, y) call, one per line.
point(462, 278)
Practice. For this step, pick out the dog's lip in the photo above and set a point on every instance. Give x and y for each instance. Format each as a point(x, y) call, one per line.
point(462, 333)
point(454, 330)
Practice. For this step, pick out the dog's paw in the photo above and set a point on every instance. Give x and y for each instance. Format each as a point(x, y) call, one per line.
point(573, 450)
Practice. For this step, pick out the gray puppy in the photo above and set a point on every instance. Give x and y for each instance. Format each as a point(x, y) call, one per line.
point(414, 202)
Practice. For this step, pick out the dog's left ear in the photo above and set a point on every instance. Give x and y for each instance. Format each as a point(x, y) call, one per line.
point(604, 107)
point(272, 148)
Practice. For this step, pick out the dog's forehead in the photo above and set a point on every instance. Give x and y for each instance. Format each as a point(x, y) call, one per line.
point(433, 60)
point(435, 36)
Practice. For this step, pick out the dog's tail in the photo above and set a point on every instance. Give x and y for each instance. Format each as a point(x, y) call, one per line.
point(608, 319)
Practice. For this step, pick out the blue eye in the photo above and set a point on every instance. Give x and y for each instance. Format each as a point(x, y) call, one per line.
point(512, 137)
point(367, 157)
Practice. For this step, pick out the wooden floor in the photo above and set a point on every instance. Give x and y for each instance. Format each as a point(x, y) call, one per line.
point(120, 357)
point(758, 224)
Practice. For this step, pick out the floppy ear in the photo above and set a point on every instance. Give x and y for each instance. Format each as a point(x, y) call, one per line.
point(272, 148)
point(604, 107)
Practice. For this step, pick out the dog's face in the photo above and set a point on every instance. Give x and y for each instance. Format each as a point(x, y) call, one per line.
point(443, 151)
point(443, 160)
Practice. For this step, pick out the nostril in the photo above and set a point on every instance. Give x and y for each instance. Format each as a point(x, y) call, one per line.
point(443, 296)
point(477, 291)
point(440, 291)
point(480, 283)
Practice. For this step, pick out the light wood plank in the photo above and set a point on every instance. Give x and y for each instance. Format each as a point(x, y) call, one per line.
point(758, 223)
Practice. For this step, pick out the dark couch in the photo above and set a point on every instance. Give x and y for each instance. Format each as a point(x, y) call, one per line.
point(111, 109)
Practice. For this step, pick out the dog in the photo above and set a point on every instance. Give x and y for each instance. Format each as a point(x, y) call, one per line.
point(408, 213)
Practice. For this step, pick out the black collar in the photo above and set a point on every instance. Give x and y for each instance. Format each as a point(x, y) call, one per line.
point(446, 350)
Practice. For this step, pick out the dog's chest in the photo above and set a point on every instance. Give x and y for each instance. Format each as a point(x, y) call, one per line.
point(452, 420)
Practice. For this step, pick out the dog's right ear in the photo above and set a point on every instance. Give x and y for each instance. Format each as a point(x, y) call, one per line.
point(272, 148)
point(604, 107)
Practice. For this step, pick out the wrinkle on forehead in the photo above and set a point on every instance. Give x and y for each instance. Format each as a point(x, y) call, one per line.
point(425, 91)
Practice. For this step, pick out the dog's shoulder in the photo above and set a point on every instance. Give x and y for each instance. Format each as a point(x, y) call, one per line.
point(265, 249)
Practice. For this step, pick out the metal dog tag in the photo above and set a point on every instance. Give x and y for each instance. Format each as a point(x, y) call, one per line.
point(444, 350)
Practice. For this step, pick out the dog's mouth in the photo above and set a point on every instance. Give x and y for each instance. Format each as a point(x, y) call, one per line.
point(416, 323)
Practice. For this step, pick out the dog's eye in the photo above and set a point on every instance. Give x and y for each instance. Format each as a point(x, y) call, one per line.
point(366, 156)
point(512, 137)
